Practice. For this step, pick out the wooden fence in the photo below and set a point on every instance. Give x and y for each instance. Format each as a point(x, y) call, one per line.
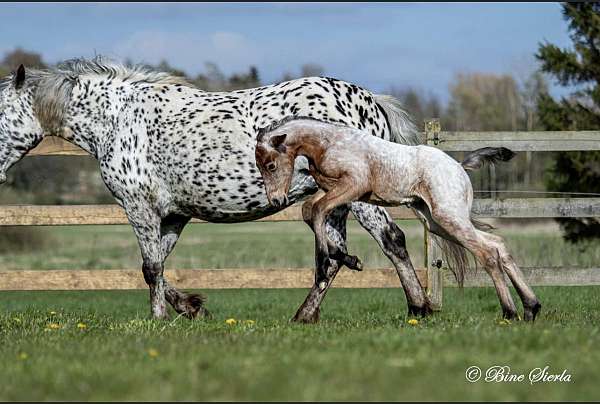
point(433, 275)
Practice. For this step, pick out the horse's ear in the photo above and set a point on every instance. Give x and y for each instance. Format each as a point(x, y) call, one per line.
point(20, 77)
point(278, 140)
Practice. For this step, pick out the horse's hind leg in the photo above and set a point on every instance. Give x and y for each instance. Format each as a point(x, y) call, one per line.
point(392, 241)
point(531, 305)
point(188, 304)
point(459, 226)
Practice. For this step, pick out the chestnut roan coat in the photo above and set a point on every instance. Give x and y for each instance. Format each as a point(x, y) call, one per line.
point(350, 165)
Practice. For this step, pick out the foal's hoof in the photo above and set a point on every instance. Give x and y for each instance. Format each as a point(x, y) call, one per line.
point(509, 314)
point(531, 313)
point(353, 262)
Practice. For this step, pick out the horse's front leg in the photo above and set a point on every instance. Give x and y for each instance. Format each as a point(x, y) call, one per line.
point(146, 226)
point(190, 305)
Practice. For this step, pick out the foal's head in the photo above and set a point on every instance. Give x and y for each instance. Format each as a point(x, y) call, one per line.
point(275, 161)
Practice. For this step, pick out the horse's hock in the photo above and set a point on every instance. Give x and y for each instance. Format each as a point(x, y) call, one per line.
point(433, 274)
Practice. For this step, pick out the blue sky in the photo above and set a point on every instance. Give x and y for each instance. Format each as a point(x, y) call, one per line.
point(376, 45)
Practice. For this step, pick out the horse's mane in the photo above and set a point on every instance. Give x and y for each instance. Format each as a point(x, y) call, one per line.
point(53, 86)
point(72, 69)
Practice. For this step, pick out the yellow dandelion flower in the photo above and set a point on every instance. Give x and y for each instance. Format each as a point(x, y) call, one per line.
point(230, 321)
point(53, 326)
point(153, 353)
point(22, 356)
point(250, 322)
point(413, 321)
point(81, 326)
point(52, 313)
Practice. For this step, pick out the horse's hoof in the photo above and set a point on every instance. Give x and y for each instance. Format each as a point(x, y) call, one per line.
point(304, 318)
point(192, 305)
point(423, 311)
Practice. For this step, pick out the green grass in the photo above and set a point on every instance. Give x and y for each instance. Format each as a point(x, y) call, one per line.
point(260, 245)
point(363, 349)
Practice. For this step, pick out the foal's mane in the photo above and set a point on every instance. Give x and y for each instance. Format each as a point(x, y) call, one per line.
point(262, 132)
point(53, 86)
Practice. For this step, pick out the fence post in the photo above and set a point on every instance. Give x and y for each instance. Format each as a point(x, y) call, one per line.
point(432, 253)
point(493, 183)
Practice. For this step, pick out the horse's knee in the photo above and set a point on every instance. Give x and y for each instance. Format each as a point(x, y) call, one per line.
point(152, 271)
point(394, 241)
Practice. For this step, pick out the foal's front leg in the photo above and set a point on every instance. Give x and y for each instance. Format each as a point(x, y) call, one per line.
point(342, 194)
point(336, 249)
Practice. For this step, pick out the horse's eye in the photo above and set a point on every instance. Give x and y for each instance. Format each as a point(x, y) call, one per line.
point(271, 166)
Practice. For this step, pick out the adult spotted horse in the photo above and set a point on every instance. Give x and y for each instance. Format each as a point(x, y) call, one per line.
point(169, 151)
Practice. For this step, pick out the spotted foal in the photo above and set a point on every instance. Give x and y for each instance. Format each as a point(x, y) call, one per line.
point(350, 165)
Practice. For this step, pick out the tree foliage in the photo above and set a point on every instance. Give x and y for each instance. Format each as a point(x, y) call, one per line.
point(578, 67)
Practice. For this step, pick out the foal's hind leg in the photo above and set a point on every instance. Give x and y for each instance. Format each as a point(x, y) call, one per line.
point(531, 305)
point(459, 226)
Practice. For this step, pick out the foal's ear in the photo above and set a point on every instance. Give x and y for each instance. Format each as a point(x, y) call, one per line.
point(20, 77)
point(277, 141)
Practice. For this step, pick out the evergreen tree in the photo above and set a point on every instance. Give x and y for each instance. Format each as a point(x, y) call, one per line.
point(578, 67)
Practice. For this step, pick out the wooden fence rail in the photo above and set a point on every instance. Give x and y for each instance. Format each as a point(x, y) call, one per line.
point(433, 276)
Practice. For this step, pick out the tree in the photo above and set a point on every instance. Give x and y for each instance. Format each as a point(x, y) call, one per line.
point(483, 102)
point(311, 69)
point(14, 58)
point(578, 67)
point(419, 105)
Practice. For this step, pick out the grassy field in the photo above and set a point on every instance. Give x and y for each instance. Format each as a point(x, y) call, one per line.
point(101, 346)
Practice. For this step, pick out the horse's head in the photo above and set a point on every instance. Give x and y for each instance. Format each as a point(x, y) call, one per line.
point(275, 162)
point(20, 130)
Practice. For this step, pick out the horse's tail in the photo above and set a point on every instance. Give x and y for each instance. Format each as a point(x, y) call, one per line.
point(489, 155)
point(402, 128)
point(455, 255)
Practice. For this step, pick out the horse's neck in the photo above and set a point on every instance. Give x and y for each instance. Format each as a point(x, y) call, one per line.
point(92, 116)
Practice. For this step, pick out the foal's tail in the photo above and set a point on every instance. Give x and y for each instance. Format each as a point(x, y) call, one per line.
point(454, 254)
point(489, 155)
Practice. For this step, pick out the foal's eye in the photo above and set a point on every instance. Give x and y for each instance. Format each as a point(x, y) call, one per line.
point(271, 166)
